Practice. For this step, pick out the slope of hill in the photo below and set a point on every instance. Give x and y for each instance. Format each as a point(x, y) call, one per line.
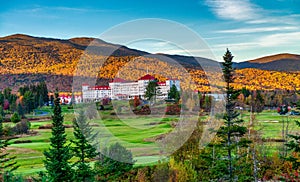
point(25, 60)
point(279, 62)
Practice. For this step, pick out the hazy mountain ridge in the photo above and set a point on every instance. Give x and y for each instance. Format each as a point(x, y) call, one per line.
point(278, 62)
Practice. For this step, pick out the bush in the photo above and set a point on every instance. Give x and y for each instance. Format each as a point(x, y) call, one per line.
point(10, 177)
point(173, 109)
point(8, 131)
point(6, 120)
point(115, 161)
point(161, 172)
point(21, 128)
point(144, 110)
point(106, 101)
point(181, 171)
point(15, 118)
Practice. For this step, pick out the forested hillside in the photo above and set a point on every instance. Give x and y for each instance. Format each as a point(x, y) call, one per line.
point(26, 60)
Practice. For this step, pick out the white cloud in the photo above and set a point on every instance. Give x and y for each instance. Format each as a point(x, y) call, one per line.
point(287, 20)
point(234, 9)
point(40, 9)
point(280, 39)
point(258, 29)
point(291, 39)
point(235, 46)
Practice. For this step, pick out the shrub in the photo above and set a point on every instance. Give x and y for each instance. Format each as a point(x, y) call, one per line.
point(22, 127)
point(115, 161)
point(144, 174)
point(144, 110)
point(106, 101)
point(9, 177)
point(161, 172)
point(8, 131)
point(181, 171)
point(15, 118)
point(173, 109)
point(6, 120)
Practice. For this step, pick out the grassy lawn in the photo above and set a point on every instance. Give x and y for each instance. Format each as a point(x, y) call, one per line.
point(130, 132)
point(135, 133)
point(270, 123)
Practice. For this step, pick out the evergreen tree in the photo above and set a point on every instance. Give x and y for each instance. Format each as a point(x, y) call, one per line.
point(51, 100)
point(294, 146)
point(114, 162)
point(82, 149)
point(28, 100)
point(44, 91)
point(20, 110)
point(257, 102)
point(59, 154)
point(231, 132)
point(7, 163)
point(1, 98)
point(15, 118)
point(41, 101)
point(174, 93)
point(72, 102)
point(151, 90)
point(2, 113)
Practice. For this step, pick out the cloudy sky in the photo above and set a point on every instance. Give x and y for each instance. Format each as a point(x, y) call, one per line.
point(249, 28)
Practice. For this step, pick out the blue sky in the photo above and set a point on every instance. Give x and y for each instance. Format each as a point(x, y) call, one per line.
point(249, 28)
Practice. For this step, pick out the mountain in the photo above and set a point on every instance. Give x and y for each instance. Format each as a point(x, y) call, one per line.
point(27, 60)
point(278, 62)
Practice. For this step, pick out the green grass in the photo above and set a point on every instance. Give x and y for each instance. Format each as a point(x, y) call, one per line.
point(270, 123)
point(130, 132)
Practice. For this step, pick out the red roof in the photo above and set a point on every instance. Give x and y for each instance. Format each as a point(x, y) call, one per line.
point(119, 80)
point(161, 83)
point(147, 77)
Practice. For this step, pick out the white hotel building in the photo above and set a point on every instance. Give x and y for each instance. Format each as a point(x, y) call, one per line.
point(122, 89)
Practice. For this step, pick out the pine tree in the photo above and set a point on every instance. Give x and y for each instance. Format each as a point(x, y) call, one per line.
point(41, 101)
point(174, 93)
point(72, 102)
point(293, 145)
point(151, 90)
point(7, 163)
point(20, 110)
point(114, 161)
point(44, 91)
point(59, 154)
point(2, 113)
point(232, 131)
point(82, 149)
point(28, 100)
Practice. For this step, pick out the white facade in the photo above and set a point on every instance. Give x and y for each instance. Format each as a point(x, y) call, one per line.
point(67, 98)
point(122, 89)
point(95, 93)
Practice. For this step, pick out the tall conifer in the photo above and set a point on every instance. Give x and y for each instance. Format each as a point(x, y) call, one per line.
point(58, 156)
